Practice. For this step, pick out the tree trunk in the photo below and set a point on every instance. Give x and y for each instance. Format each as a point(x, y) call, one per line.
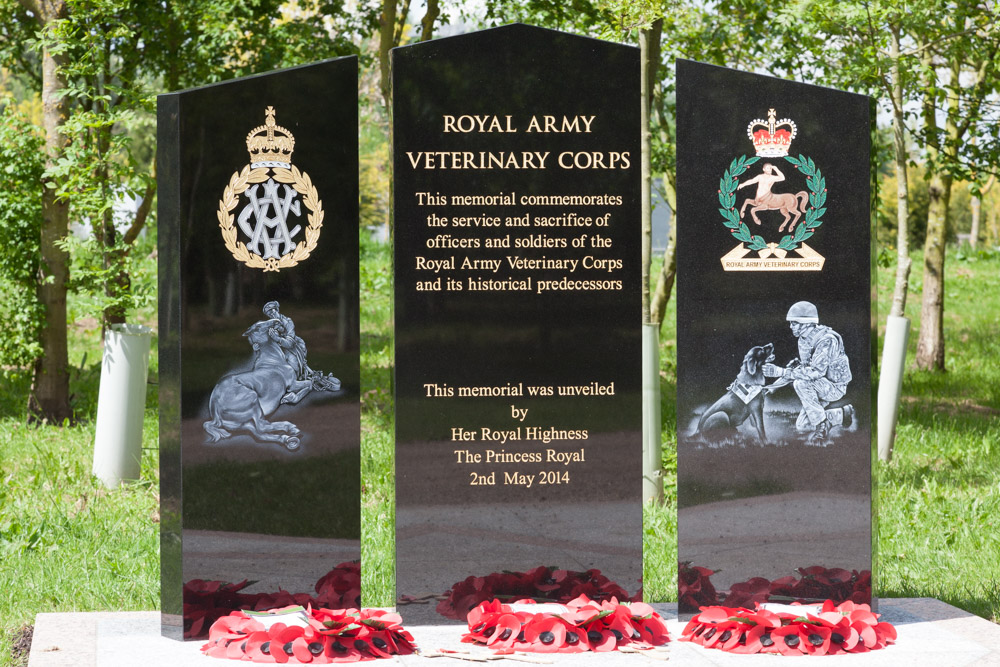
point(665, 281)
point(49, 398)
point(930, 344)
point(995, 227)
point(648, 42)
point(976, 207)
point(427, 23)
point(903, 262)
point(387, 31)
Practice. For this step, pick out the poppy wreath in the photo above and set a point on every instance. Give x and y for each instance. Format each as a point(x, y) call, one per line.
point(332, 635)
point(583, 625)
point(819, 630)
point(542, 584)
point(207, 601)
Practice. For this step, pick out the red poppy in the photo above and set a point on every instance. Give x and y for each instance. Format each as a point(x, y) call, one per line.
point(545, 635)
point(815, 639)
point(787, 640)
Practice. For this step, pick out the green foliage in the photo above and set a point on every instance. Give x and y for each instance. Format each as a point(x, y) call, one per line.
point(21, 166)
point(728, 185)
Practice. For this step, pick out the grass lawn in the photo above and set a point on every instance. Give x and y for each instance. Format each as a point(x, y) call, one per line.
point(68, 544)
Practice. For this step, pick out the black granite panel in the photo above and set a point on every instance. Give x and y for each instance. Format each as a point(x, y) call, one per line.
point(774, 311)
point(260, 405)
point(516, 158)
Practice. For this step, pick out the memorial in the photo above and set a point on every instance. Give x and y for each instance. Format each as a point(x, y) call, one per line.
point(517, 319)
point(259, 345)
point(775, 329)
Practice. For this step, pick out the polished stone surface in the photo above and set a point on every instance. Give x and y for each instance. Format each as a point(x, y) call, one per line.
point(765, 502)
point(260, 411)
point(930, 633)
point(492, 297)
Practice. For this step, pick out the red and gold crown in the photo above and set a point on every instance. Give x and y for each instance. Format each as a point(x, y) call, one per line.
point(771, 138)
point(270, 145)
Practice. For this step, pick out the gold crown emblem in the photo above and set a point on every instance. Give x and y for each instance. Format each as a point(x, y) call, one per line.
point(270, 145)
point(771, 138)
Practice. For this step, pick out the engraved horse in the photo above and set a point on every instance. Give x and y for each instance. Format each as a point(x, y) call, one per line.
point(245, 399)
point(764, 200)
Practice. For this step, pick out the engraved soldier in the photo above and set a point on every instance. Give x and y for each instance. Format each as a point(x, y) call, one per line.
point(819, 376)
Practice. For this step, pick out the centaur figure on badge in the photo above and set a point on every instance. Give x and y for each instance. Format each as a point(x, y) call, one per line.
point(792, 206)
point(279, 375)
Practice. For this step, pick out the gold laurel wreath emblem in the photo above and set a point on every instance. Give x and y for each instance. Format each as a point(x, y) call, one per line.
point(227, 221)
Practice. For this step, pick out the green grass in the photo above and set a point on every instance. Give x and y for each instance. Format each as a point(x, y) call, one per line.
point(939, 499)
point(66, 543)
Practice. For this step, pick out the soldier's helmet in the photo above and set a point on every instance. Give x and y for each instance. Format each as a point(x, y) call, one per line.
point(271, 307)
point(803, 312)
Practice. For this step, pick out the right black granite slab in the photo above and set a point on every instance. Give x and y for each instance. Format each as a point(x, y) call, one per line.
point(774, 318)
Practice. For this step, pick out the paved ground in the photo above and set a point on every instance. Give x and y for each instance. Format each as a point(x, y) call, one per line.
point(930, 633)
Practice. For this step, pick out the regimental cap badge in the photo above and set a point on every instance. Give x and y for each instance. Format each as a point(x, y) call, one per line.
point(771, 138)
point(270, 145)
point(267, 233)
point(787, 196)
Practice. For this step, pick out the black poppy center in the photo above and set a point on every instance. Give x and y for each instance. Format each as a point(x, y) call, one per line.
point(709, 633)
point(618, 635)
point(265, 648)
point(837, 638)
point(379, 643)
point(765, 640)
point(339, 648)
point(572, 638)
point(791, 641)
point(726, 636)
point(507, 632)
point(488, 632)
point(479, 628)
point(287, 648)
point(594, 636)
point(361, 645)
point(546, 637)
point(815, 639)
point(315, 648)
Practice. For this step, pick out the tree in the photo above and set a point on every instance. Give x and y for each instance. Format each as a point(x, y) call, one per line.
point(49, 397)
point(960, 73)
point(95, 62)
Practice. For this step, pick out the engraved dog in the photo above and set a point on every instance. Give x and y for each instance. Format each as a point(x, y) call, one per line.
point(731, 410)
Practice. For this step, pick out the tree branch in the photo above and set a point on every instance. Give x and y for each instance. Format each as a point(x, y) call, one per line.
point(427, 23)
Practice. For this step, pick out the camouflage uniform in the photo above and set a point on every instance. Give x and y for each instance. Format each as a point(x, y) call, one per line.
point(821, 377)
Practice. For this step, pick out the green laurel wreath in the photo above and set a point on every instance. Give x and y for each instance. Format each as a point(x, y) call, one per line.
point(804, 230)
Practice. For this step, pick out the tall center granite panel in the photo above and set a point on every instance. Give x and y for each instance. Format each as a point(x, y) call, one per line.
point(774, 314)
point(259, 346)
point(518, 408)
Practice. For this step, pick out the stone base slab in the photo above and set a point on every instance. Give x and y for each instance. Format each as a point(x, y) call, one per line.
point(930, 633)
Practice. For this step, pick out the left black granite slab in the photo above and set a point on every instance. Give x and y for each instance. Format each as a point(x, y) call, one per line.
point(259, 345)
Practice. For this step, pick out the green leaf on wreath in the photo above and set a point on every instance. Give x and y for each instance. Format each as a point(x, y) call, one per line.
point(786, 243)
point(752, 160)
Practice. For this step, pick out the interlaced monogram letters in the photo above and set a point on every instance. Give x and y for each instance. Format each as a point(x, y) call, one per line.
point(262, 243)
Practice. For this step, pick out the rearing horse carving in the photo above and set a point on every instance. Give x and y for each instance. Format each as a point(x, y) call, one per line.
point(792, 206)
point(244, 400)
